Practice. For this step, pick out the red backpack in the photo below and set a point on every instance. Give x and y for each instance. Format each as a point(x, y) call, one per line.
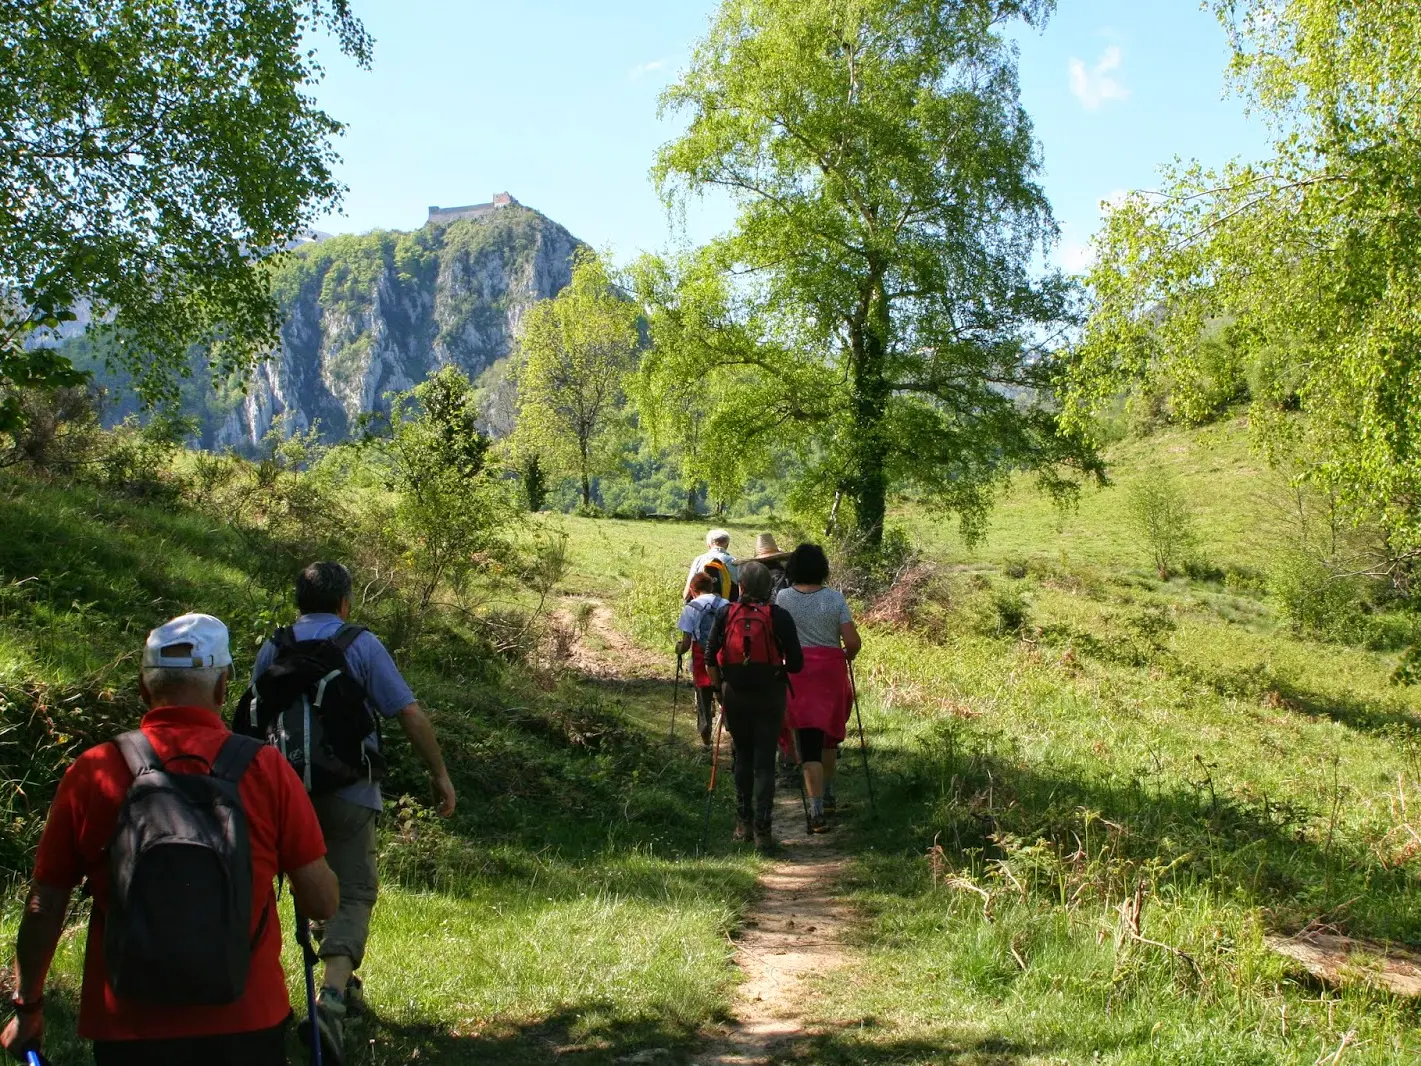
point(750, 637)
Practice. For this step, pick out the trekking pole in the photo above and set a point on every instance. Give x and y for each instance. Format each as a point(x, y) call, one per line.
point(710, 789)
point(675, 695)
point(799, 774)
point(34, 1058)
point(308, 958)
point(863, 744)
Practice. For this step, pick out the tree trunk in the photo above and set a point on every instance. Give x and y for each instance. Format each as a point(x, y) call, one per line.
point(586, 478)
point(691, 502)
point(868, 480)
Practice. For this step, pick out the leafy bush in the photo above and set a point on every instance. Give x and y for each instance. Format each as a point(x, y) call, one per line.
point(991, 611)
point(650, 607)
point(1314, 600)
point(453, 512)
point(57, 431)
point(1163, 520)
point(137, 458)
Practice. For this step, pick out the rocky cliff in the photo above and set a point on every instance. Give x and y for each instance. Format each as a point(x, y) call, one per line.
point(369, 315)
point(375, 314)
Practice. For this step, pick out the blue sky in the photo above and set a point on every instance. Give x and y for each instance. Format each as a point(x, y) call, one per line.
point(555, 102)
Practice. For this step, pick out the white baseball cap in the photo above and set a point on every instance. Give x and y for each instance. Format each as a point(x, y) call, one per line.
point(190, 641)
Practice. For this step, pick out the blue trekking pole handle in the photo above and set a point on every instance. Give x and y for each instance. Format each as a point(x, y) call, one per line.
point(308, 961)
point(34, 1058)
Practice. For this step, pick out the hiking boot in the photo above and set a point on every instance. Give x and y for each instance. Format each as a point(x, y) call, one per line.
point(741, 833)
point(831, 803)
point(765, 841)
point(818, 824)
point(706, 737)
point(355, 997)
point(330, 1023)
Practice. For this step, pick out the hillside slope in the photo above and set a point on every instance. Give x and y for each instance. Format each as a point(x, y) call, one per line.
point(564, 910)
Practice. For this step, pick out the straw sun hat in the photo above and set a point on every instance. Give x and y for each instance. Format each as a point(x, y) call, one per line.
point(766, 550)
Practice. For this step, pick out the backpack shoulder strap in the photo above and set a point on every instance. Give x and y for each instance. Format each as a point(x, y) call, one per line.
point(347, 635)
point(236, 755)
point(137, 752)
point(284, 637)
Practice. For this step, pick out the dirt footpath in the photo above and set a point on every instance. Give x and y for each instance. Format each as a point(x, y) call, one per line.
point(792, 934)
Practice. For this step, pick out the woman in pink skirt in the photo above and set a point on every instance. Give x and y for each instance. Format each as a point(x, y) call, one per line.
point(821, 700)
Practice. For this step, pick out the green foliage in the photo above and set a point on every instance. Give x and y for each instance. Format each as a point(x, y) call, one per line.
point(650, 606)
point(55, 430)
point(1313, 599)
point(1310, 256)
point(534, 480)
point(1193, 391)
point(150, 148)
point(1060, 817)
point(575, 819)
point(697, 390)
point(1163, 521)
point(453, 510)
point(886, 315)
point(577, 348)
point(994, 611)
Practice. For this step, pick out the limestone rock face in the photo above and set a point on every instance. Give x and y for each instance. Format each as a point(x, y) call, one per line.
point(370, 315)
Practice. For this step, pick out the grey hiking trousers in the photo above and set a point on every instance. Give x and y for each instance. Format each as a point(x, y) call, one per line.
point(351, 852)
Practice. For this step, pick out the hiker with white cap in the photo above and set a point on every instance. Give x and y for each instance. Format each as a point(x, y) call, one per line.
point(179, 829)
point(717, 561)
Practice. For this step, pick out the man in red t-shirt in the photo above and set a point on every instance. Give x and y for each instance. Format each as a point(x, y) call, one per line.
point(186, 668)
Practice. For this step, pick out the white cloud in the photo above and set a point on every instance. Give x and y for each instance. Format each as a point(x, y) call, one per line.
point(641, 70)
point(1076, 257)
point(1095, 85)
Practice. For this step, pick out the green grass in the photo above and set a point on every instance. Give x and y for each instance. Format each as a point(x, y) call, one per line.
point(1234, 495)
point(564, 913)
point(1051, 729)
point(1174, 735)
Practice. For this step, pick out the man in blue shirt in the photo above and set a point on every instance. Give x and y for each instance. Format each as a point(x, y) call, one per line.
point(348, 816)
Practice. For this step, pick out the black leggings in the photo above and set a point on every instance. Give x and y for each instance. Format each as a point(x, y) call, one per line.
point(812, 743)
point(755, 730)
point(264, 1047)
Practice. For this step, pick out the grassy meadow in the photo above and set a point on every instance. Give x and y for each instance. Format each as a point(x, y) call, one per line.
point(1098, 791)
point(564, 913)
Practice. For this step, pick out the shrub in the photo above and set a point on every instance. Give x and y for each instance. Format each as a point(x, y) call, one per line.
point(137, 458)
point(1164, 521)
point(650, 608)
point(1314, 600)
point(534, 478)
point(996, 612)
point(57, 431)
point(863, 572)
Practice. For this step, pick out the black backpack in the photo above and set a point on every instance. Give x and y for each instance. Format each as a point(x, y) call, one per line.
point(178, 927)
point(310, 707)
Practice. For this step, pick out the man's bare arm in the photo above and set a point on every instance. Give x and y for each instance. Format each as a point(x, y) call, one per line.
point(315, 889)
point(41, 926)
point(38, 937)
point(420, 731)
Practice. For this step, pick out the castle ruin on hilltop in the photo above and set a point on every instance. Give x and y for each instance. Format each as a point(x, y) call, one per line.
point(444, 215)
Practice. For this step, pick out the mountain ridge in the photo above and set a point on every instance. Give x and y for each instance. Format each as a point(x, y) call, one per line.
point(367, 315)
